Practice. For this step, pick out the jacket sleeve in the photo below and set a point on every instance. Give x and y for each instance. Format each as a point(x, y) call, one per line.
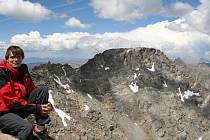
point(16, 103)
point(11, 101)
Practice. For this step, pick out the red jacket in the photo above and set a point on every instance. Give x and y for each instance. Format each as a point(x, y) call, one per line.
point(15, 87)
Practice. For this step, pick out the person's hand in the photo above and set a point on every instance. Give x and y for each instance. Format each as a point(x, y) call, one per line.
point(46, 109)
point(50, 106)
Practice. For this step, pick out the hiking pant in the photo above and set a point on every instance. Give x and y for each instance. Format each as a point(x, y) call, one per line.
point(14, 123)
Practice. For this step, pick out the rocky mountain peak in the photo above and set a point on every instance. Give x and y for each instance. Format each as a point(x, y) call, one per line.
point(126, 59)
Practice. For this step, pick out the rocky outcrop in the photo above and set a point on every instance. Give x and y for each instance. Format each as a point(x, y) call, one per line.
point(130, 98)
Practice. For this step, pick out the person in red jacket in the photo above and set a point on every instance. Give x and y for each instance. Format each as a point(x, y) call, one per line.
point(19, 98)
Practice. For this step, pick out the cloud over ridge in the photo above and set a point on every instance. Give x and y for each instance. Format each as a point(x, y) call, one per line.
point(175, 43)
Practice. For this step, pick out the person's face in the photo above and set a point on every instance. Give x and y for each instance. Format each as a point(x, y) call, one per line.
point(15, 61)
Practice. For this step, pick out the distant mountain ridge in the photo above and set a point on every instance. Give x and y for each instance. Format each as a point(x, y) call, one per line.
point(61, 60)
point(35, 61)
point(204, 61)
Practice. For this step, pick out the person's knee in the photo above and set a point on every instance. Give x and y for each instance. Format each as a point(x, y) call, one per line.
point(43, 88)
point(44, 93)
point(26, 131)
point(28, 128)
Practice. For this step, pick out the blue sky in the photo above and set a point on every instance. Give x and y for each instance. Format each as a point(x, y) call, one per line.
point(81, 28)
point(80, 9)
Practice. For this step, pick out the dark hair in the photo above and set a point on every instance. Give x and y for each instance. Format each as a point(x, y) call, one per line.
point(16, 50)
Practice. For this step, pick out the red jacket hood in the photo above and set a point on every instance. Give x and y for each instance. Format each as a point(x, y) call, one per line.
point(7, 66)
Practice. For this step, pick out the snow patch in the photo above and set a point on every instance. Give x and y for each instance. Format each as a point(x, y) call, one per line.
point(65, 86)
point(106, 68)
point(69, 90)
point(128, 51)
point(134, 87)
point(135, 76)
point(186, 94)
point(60, 112)
point(89, 96)
point(152, 69)
point(64, 71)
point(62, 115)
point(164, 84)
point(87, 107)
point(50, 99)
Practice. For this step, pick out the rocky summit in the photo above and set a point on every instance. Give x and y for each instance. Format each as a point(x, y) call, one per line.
point(133, 94)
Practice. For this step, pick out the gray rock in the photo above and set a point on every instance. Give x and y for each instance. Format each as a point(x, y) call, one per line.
point(106, 77)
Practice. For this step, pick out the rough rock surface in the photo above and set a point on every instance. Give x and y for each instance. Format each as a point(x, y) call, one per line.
point(117, 95)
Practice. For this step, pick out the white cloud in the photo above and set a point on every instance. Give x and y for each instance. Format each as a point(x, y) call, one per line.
point(56, 41)
point(75, 23)
point(24, 10)
point(126, 10)
point(199, 18)
point(176, 39)
point(179, 9)
point(188, 44)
